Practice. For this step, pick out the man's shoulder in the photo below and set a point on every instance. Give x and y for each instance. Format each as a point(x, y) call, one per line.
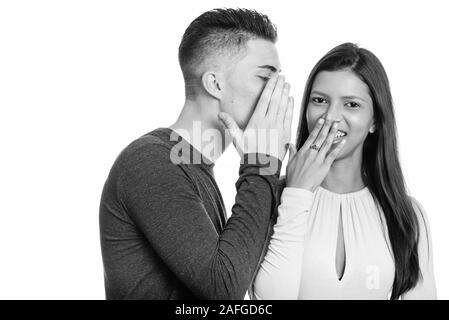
point(157, 139)
point(145, 164)
point(151, 150)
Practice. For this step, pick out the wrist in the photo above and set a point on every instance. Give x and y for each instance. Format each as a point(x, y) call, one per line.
point(264, 164)
point(299, 186)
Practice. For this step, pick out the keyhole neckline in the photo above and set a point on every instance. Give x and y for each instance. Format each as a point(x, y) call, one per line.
point(361, 192)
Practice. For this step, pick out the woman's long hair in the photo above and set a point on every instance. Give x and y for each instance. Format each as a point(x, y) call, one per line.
point(381, 169)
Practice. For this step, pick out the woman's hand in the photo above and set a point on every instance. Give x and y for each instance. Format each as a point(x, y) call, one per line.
point(308, 167)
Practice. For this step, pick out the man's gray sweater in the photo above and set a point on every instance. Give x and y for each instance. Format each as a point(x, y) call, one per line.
point(164, 229)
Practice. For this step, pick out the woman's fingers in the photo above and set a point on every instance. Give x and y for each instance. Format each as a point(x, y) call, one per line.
point(313, 135)
point(334, 153)
point(324, 131)
point(329, 140)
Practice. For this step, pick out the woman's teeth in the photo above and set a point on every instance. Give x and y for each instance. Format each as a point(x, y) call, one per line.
point(339, 135)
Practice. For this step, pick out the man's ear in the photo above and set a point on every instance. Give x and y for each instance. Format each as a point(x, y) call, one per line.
point(211, 83)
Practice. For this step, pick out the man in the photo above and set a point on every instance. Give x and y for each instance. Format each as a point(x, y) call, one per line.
point(164, 233)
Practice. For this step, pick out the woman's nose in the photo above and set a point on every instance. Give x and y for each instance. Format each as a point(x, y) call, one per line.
point(332, 116)
point(333, 112)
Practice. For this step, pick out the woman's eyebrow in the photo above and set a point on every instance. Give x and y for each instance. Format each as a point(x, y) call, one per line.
point(353, 97)
point(343, 97)
point(319, 93)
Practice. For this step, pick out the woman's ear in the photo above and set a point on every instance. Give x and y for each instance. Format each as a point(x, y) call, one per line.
point(372, 129)
point(211, 84)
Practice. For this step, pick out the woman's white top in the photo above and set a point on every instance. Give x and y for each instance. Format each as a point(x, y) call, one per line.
point(300, 261)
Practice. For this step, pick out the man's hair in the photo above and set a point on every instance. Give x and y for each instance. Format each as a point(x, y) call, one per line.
point(220, 32)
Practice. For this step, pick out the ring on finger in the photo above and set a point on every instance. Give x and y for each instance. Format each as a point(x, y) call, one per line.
point(314, 147)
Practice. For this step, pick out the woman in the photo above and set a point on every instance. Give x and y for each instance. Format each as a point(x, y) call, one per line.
point(346, 227)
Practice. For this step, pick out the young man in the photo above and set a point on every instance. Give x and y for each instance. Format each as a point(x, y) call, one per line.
point(164, 233)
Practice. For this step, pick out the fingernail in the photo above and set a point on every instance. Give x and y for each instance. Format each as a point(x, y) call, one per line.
point(321, 121)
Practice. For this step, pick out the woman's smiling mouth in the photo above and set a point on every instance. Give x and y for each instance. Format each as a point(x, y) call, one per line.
point(339, 135)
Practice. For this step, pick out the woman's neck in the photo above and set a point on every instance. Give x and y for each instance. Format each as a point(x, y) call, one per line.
point(345, 175)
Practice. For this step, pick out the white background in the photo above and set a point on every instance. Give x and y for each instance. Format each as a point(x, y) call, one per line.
point(79, 80)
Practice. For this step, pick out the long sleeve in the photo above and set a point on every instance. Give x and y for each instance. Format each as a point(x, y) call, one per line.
point(165, 206)
point(426, 287)
point(280, 273)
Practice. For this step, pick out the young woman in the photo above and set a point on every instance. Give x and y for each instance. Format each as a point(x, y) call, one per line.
point(346, 228)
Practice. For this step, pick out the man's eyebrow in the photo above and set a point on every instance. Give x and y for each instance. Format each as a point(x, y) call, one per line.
point(271, 68)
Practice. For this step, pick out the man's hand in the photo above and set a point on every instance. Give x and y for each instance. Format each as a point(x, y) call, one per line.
point(269, 129)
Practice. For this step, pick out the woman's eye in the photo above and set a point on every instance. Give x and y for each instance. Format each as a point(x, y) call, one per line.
point(319, 100)
point(353, 105)
point(264, 78)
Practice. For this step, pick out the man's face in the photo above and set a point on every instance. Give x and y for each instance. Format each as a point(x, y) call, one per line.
point(246, 79)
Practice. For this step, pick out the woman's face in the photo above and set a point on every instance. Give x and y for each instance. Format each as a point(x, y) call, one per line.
point(347, 99)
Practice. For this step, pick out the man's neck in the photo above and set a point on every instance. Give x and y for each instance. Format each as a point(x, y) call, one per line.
point(198, 125)
point(345, 175)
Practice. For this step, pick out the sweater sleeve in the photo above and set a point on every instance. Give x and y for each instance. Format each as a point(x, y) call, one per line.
point(280, 273)
point(426, 287)
point(165, 205)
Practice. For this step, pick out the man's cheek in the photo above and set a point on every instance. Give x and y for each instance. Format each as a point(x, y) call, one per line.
point(255, 92)
point(245, 100)
point(259, 88)
point(253, 97)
